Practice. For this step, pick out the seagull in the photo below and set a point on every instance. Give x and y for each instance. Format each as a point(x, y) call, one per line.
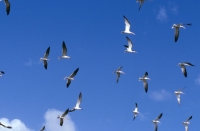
point(178, 95)
point(64, 52)
point(118, 72)
point(71, 77)
point(7, 3)
point(1, 73)
point(141, 3)
point(186, 123)
point(77, 107)
point(9, 127)
point(127, 27)
point(156, 121)
point(45, 59)
point(176, 27)
point(42, 128)
point(63, 117)
point(135, 111)
point(144, 79)
point(129, 47)
point(182, 65)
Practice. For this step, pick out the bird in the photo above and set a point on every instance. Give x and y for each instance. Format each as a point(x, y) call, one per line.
point(176, 27)
point(141, 3)
point(178, 95)
point(127, 27)
point(182, 65)
point(77, 107)
point(156, 121)
point(118, 72)
point(42, 128)
point(9, 127)
point(64, 52)
point(129, 47)
point(144, 79)
point(71, 77)
point(2, 73)
point(63, 117)
point(135, 111)
point(186, 123)
point(45, 59)
point(7, 3)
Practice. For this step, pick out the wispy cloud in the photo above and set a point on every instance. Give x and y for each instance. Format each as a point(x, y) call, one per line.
point(51, 123)
point(142, 117)
point(30, 62)
point(162, 95)
point(162, 14)
point(197, 81)
point(173, 8)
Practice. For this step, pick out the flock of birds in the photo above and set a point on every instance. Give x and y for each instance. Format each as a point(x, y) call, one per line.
point(118, 72)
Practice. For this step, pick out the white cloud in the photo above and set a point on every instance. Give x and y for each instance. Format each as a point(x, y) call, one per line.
point(142, 117)
point(162, 95)
point(197, 81)
point(51, 123)
point(162, 14)
point(16, 125)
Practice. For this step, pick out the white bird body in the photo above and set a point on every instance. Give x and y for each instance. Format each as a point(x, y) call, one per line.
point(71, 77)
point(129, 47)
point(127, 27)
point(63, 117)
point(183, 69)
point(64, 52)
point(77, 106)
point(45, 58)
point(186, 123)
point(144, 79)
point(118, 72)
point(176, 27)
point(135, 112)
point(178, 95)
point(156, 121)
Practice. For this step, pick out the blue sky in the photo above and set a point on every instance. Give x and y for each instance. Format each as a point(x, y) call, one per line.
point(32, 96)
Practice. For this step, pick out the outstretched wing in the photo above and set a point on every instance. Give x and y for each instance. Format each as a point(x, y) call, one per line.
point(79, 100)
point(74, 73)
point(7, 3)
point(64, 49)
point(47, 52)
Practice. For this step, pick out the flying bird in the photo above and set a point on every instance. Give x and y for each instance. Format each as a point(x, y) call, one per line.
point(64, 52)
point(2, 73)
point(141, 3)
point(178, 95)
point(176, 27)
point(144, 79)
point(63, 117)
point(118, 72)
point(71, 77)
point(9, 127)
point(7, 3)
point(127, 27)
point(135, 111)
point(129, 47)
point(156, 121)
point(77, 107)
point(186, 123)
point(183, 69)
point(45, 59)
point(42, 128)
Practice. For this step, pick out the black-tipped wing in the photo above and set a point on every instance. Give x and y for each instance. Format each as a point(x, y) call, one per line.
point(45, 64)
point(65, 113)
point(42, 128)
point(176, 34)
point(187, 63)
point(118, 75)
point(145, 85)
point(183, 69)
point(119, 68)
point(146, 74)
point(47, 52)
point(79, 100)
point(189, 118)
point(68, 82)
point(136, 105)
point(7, 3)
point(2, 72)
point(74, 73)
point(64, 49)
point(141, 3)
point(61, 121)
point(129, 42)
point(126, 46)
point(159, 116)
